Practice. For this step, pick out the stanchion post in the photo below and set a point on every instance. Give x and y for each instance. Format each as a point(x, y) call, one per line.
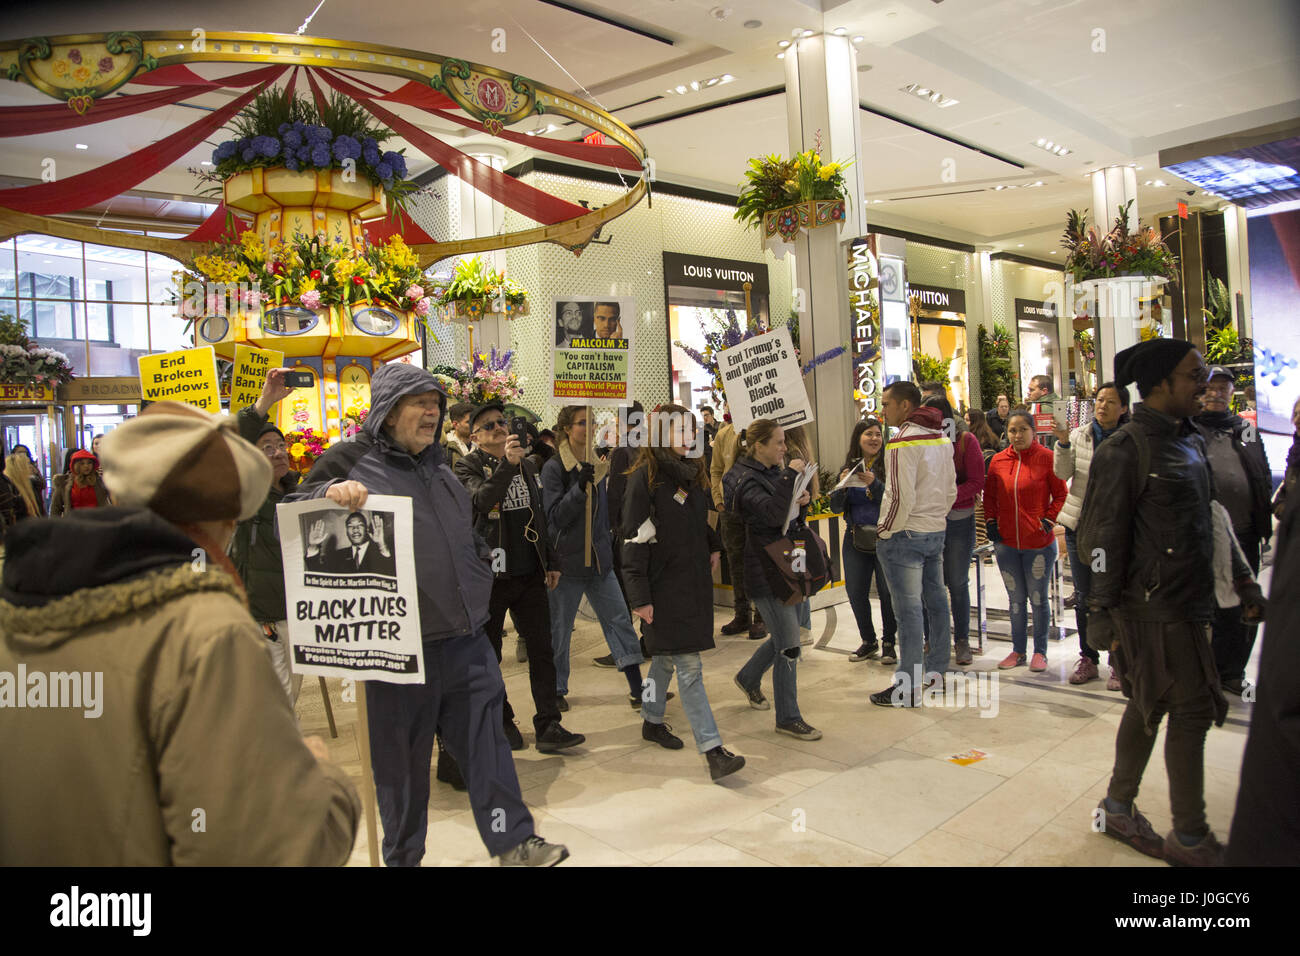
point(367, 775)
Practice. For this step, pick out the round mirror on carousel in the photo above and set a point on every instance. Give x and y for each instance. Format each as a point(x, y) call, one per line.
point(376, 321)
point(213, 328)
point(289, 320)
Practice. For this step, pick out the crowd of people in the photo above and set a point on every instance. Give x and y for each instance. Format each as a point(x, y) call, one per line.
point(1162, 510)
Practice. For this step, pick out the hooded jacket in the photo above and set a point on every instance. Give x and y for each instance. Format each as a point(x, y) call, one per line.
point(452, 563)
point(488, 480)
point(1021, 493)
point(61, 495)
point(762, 500)
point(566, 510)
point(920, 480)
point(1254, 462)
point(255, 548)
point(186, 712)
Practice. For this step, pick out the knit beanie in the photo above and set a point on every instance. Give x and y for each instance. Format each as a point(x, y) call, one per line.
point(1151, 362)
point(185, 464)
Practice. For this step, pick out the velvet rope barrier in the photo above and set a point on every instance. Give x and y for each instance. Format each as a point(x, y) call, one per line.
point(522, 198)
point(105, 182)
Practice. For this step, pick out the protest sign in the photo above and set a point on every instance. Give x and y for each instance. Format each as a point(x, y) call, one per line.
point(762, 379)
point(249, 374)
point(189, 375)
point(350, 590)
point(591, 360)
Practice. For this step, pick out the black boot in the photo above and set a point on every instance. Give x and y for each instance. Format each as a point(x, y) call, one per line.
point(756, 629)
point(448, 772)
point(722, 762)
point(738, 623)
point(660, 734)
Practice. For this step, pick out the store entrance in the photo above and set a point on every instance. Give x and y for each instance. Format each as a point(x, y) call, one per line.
point(39, 428)
point(945, 339)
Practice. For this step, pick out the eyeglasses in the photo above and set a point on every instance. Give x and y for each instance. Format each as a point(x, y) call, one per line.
point(489, 426)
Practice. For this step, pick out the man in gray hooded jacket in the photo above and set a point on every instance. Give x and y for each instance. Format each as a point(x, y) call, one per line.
point(397, 453)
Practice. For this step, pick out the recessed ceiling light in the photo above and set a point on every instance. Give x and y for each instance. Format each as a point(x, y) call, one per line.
point(1053, 252)
point(681, 89)
point(695, 85)
point(780, 56)
point(752, 24)
point(1020, 245)
point(858, 39)
point(82, 146)
point(840, 31)
point(806, 33)
point(205, 163)
point(1051, 147)
point(727, 77)
point(783, 44)
point(925, 93)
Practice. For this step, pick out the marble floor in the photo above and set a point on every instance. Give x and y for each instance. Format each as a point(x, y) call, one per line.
point(880, 787)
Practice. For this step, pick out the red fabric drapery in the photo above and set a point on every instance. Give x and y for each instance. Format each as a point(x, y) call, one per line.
point(214, 227)
point(180, 75)
point(520, 197)
point(431, 101)
point(378, 230)
point(98, 185)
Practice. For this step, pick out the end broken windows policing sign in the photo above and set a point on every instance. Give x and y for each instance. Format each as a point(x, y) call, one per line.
point(350, 589)
point(762, 379)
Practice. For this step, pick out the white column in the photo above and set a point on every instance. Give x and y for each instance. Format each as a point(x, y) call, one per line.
point(1114, 302)
point(1111, 188)
point(822, 100)
point(481, 215)
point(1234, 229)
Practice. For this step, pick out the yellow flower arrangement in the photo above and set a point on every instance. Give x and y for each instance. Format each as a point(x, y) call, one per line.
point(400, 254)
point(250, 245)
point(297, 449)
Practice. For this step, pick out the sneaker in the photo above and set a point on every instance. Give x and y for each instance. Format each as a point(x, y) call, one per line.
point(1039, 663)
point(534, 852)
point(757, 630)
point(805, 636)
point(1011, 660)
point(723, 762)
point(449, 772)
point(737, 624)
point(606, 661)
point(799, 730)
point(1112, 682)
point(660, 734)
point(887, 654)
point(963, 654)
point(562, 704)
point(515, 738)
point(555, 738)
point(755, 696)
point(890, 697)
point(1132, 828)
point(1084, 671)
point(521, 651)
point(865, 652)
point(1209, 852)
point(1071, 601)
point(635, 699)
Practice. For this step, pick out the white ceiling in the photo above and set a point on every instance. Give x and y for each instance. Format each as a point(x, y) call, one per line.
point(1172, 72)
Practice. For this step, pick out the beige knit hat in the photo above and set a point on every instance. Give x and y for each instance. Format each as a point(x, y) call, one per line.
point(185, 465)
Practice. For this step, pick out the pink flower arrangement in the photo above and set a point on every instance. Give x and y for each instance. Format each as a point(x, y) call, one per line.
point(422, 306)
point(310, 300)
point(414, 293)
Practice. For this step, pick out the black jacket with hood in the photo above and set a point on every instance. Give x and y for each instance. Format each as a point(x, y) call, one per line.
point(1155, 534)
point(762, 500)
point(1254, 462)
point(452, 563)
point(488, 480)
point(255, 548)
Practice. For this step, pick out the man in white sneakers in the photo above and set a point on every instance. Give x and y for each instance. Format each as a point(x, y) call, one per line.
point(920, 487)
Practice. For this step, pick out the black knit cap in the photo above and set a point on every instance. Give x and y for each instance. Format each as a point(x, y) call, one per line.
point(269, 427)
point(485, 407)
point(1151, 362)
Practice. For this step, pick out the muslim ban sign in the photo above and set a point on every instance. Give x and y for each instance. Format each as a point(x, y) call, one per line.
point(189, 375)
point(249, 374)
point(762, 379)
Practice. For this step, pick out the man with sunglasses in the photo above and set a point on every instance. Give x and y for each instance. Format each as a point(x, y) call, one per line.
point(508, 513)
point(255, 549)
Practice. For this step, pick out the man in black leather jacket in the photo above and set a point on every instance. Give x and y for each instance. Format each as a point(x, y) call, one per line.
point(1243, 484)
point(508, 513)
point(1149, 538)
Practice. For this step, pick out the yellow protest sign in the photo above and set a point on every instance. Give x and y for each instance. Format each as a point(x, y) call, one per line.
point(189, 375)
point(249, 375)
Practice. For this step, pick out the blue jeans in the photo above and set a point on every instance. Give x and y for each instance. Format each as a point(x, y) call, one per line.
point(1027, 575)
point(805, 614)
point(690, 681)
point(913, 566)
point(782, 641)
point(1081, 574)
point(607, 601)
point(859, 566)
point(958, 546)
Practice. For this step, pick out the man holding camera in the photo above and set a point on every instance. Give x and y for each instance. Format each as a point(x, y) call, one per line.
point(508, 514)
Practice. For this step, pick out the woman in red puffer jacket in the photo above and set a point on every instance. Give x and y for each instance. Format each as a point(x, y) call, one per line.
point(1022, 497)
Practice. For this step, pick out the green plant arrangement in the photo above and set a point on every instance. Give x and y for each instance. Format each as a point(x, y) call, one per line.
point(24, 363)
point(926, 368)
point(997, 368)
point(281, 130)
point(775, 189)
point(1091, 254)
point(475, 286)
point(1219, 313)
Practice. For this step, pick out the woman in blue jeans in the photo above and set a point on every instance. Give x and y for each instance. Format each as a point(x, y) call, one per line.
point(668, 573)
point(1022, 497)
point(763, 492)
point(859, 502)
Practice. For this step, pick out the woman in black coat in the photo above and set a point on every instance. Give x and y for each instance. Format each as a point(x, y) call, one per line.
point(670, 566)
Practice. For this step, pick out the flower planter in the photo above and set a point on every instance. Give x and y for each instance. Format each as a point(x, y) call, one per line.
point(312, 202)
point(477, 309)
point(296, 331)
point(376, 329)
point(787, 222)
